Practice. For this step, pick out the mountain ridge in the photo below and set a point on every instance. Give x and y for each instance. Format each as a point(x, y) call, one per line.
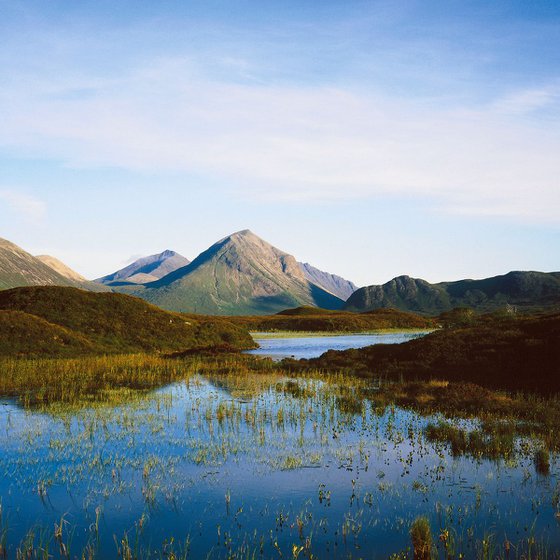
point(61, 268)
point(523, 290)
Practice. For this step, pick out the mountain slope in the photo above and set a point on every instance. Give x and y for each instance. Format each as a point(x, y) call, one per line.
point(146, 269)
point(240, 274)
point(61, 268)
point(334, 284)
point(524, 290)
point(75, 321)
point(19, 268)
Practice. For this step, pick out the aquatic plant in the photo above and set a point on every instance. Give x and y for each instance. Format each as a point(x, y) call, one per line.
point(421, 536)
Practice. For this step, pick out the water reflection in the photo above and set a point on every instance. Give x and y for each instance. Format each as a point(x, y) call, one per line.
point(236, 466)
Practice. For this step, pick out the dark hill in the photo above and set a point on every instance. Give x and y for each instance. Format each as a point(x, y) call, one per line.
point(306, 310)
point(27, 335)
point(494, 351)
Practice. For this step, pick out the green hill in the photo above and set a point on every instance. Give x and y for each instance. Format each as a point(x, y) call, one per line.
point(494, 351)
point(526, 291)
point(77, 322)
point(23, 334)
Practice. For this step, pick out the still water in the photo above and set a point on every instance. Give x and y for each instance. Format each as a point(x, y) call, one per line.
point(256, 466)
point(285, 346)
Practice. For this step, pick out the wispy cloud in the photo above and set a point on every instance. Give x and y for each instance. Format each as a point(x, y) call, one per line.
point(205, 113)
point(529, 100)
point(26, 206)
point(298, 144)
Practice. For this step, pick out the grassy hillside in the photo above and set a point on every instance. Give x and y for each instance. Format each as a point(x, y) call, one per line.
point(494, 351)
point(105, 323)
point(313, 319)
point(22, 334)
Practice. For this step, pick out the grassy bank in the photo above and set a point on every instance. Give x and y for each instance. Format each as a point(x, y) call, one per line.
point(312, 319)
point(318, 334)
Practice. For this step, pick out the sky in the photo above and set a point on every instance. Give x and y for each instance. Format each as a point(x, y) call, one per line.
point(371, 139)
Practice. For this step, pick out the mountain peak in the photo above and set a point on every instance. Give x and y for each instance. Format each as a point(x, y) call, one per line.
point(241, 273)
point(147, 269)
point(244, 234)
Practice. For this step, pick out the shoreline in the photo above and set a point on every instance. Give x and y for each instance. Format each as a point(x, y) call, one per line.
point(319, 334)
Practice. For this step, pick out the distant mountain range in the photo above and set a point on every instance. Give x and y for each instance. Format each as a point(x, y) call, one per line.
point(244, 275)
point(20, 268)
point(152, 268)
point(239, 275)
point(526, 291)
point(146, 269)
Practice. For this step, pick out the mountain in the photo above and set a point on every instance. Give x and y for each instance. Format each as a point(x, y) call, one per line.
point(146, 269)
point(526, 291)
point(20, 268)
point(239, 275)
point(61, 268)
point(331, 282)
point(63, 321)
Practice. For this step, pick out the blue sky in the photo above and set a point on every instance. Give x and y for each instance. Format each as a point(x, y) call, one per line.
point(371, 139)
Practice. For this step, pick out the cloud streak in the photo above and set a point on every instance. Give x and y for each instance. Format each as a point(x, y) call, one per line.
point(299, 144)
point(206, 113)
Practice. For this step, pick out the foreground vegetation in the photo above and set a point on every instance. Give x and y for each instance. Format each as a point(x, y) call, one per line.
point(498, 351)
point(399, 435)
point(388, 442)
point(83, 381)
